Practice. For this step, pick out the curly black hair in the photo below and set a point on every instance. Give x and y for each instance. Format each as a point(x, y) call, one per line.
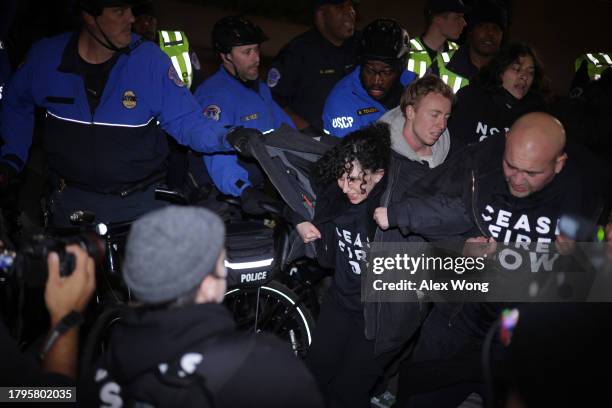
point(370, 146)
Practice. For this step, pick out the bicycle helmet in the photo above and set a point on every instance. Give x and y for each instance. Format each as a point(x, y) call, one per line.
point(233, 31)
point(384, 40)
point(95, 7)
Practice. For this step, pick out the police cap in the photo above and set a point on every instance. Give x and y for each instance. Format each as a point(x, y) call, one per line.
point(233, 31)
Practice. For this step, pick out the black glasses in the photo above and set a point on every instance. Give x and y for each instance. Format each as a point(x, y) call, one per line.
point(384, 73)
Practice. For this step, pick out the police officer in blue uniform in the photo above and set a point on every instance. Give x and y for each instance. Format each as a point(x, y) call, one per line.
point(235, 96)
point(376, 85)
point(307, 68)
point(7, 12)
point(109, 97)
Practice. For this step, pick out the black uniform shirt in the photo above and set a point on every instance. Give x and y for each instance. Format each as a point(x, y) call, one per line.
point(305, 71)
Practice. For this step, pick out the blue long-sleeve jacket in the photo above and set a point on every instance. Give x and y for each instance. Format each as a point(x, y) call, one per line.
point(227, 101)
point(122, 140)
point(5, 73)
point(349, 107)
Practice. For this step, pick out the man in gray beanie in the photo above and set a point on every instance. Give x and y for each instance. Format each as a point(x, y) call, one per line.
point(179, 346)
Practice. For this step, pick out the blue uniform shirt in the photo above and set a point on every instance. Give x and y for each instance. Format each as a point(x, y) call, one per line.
point(5, 73)
point(349, 107)
point(227, 101)
point(121, 141)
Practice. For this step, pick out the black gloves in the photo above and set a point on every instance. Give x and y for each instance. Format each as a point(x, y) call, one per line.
point(256, 202)
point(239, 137)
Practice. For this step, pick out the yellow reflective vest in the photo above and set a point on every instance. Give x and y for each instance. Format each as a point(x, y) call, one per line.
point(176, 46)
point(419, 63)
point(597, 63)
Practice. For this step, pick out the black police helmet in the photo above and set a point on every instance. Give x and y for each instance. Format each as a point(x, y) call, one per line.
point(233, 31)
point(384, 40)
point(95, 7)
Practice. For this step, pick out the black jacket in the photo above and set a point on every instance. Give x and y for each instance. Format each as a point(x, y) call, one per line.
point(451, 201)
point(480, 113)
point(305, 71)
point(152, 353)
point(390, 324)
point(461, 64)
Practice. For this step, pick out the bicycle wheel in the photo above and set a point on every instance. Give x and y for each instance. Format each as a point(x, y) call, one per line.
point(272, 308)
point(98, 338)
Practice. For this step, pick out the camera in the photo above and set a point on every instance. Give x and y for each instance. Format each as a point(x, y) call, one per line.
point(28, 266)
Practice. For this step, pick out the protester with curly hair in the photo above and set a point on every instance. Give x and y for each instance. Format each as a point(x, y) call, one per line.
point(512, 85)
point(349, 179)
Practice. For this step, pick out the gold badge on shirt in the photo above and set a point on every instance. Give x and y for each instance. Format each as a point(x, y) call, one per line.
point(129, 99)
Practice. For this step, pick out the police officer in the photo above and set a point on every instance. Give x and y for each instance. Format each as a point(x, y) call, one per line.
point(308, 67)
point(234, 96)
point(7, 12)
point(487, 23)
point(589, 67)
point(375, 86)
point(109, 97)
point(181, 347)
point(433, 50)
point(174, 43)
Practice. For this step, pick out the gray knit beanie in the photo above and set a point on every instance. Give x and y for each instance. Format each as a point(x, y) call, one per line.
point(170, 251)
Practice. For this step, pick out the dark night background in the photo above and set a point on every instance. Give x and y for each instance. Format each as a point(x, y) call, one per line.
point(559, 31)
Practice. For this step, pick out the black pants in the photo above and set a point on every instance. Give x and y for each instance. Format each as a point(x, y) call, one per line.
point(341, 359)
point(445, 367)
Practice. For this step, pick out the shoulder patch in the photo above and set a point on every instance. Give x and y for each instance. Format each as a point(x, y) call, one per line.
point(212, 112)
point(175, 77)
point(367, 111)
point(273, 77)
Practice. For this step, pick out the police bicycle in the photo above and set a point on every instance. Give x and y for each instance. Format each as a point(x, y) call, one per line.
point(257, 299)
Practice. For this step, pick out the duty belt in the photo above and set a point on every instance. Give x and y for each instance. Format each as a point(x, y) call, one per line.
point(122, 191)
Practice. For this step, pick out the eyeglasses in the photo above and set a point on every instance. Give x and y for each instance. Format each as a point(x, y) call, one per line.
point(385, 73)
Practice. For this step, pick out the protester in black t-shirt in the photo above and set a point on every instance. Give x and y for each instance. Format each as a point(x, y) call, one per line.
point(510, 86)
point(499, 192)
point(352, 180)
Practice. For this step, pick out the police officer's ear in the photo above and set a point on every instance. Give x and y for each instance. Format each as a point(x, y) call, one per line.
point(226, 57)
point(87, 18)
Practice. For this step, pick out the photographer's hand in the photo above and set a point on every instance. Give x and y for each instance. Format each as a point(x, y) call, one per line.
point(63, 295)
